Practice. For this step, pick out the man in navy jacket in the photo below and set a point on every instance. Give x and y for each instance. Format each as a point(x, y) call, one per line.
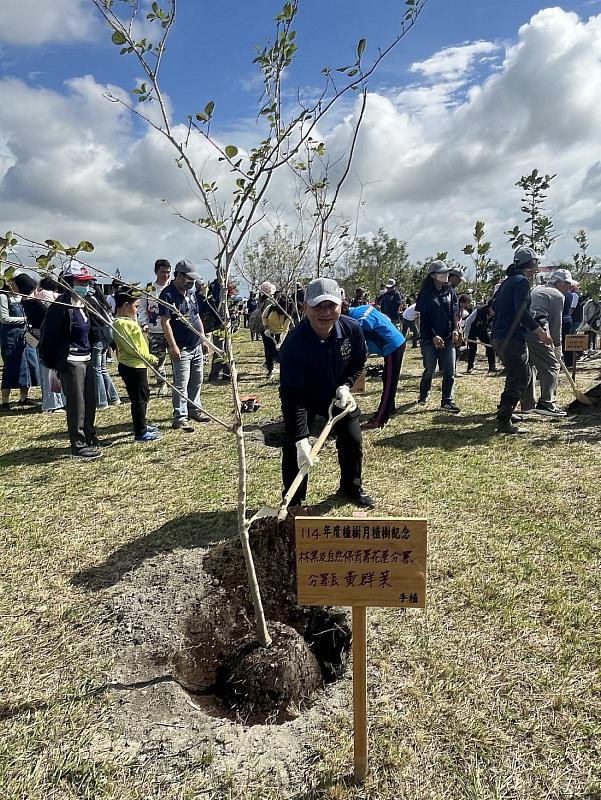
point(320, 361)
point(511, 323)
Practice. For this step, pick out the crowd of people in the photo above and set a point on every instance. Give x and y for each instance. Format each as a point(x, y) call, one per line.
point(60, 335)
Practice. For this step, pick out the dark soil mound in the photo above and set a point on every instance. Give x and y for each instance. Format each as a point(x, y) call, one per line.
point(261, 683)
point(272, 545)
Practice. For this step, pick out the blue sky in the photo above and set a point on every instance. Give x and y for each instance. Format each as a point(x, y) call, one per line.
point(439, 145)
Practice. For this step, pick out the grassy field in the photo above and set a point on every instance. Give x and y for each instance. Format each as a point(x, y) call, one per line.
point(491, 693)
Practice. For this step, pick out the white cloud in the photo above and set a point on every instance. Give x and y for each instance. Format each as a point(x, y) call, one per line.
point(453, 62)
point(33, 22)
point(432, 158)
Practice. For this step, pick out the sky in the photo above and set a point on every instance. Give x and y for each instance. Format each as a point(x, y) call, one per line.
point(475, 96)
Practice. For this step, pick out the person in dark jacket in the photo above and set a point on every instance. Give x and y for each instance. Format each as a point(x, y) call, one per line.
point(20, 367)
point(438, 308)
point(65, 346)
point(319, 362)
point(476, 328)
point(384, 339)
point(511, 323)
point(390, 302)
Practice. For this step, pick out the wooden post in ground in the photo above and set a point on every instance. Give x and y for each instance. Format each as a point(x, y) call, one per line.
point(360, 691)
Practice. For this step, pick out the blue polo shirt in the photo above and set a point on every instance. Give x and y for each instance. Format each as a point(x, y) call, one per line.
point(185, 338)
point(382, 337)
point(311, 369)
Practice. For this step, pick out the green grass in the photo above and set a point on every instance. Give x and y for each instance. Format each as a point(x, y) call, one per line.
point(492, 692)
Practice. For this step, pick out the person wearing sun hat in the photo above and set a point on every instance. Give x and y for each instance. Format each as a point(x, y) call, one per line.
point(65, 346)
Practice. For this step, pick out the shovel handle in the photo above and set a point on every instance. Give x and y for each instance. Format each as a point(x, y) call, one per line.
point(332, 420)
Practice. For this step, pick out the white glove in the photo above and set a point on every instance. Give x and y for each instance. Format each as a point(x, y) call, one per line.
point(303, 454)
point(558, 353)
point(343, 397)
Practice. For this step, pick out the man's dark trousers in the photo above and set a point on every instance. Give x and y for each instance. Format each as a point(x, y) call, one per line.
point(514, 355)
point(350, 454)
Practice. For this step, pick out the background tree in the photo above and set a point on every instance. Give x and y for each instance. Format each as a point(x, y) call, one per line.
point(372, 262)
point(583, 263)
point(232, 188)
point(538, 233)
point(479, 253)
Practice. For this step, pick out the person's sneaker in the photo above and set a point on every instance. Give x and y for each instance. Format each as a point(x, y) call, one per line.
point(99, 443)
point(27, 402)
point(151, 428)
point(469, 371)
point(528, 411)
point(358, 497)
point(148, 436)
point(182, 425)
point(508, 428)
point(115, 403)
point(87, 453)
point(4, 406)
point(197, 416)
point(422, 401)
point(517, 418)
point(450, 407)
point(494, 371)
point(550, 412)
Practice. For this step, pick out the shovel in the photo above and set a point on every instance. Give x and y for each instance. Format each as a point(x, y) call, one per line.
point(280, 513)
point(580, 396)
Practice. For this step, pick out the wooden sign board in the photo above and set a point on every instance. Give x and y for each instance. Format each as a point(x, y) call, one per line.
point(576, 342)
point(349, 561)
point(359, 385)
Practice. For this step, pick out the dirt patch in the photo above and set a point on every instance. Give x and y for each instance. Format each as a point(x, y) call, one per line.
point(184, 638)
point(271, 433)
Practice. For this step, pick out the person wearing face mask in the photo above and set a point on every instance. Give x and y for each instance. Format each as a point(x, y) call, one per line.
point(65, 346)
point(438, 308)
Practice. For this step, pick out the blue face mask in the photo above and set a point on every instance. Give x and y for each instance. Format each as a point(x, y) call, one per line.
point(81, 291)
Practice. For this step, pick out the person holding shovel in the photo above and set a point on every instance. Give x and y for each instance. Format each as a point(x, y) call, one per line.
point(510, 327)
point(319, 362)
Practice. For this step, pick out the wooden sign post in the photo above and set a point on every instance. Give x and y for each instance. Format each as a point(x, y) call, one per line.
point(360, 562)
point(576, 343)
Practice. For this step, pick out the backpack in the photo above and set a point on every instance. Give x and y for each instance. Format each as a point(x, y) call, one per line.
point(255, 323)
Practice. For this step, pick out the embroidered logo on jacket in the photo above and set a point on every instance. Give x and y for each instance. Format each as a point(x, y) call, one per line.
point(345, 348)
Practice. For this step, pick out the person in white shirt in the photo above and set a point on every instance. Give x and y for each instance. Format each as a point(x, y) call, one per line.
point(409, 321)
point(150, 322)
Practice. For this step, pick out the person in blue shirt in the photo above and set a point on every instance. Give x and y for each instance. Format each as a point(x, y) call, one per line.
point(384, 339)
point(511, 323)
point(320, 360)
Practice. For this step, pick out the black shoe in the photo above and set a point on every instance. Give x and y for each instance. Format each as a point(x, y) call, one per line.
point(98, 443)
point(450, 407)
point(87, 453)
point(358, 497)
point(422, 400)
point(197, 416)
point(505, 426)
point(182, 425)
point(4, 406)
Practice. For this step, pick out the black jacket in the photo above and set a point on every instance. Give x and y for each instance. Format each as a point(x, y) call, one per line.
point(439, 311)
point(311, 370)
point(55, 336)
